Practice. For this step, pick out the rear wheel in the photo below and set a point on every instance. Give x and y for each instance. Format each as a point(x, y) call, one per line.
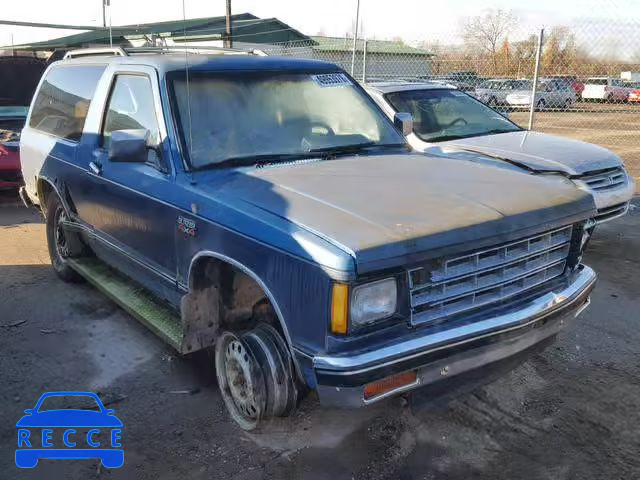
point(62, 243)
point(492, 102)
point(541, 104)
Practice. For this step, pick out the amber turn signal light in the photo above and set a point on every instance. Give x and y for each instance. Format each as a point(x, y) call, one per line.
point(339, 308)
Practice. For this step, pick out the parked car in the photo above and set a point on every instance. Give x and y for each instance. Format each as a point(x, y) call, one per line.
point(605, 89)
point(278, 216)
point(572, 80)
point(634, 93)
point(494, 92)
point(11, 123)
point(448, 122)
point(19, 77)
point(549, 94)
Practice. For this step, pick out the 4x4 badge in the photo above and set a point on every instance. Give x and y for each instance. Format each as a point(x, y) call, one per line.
point(187, 226)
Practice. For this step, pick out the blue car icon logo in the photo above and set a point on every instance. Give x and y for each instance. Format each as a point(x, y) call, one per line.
point(69, 433)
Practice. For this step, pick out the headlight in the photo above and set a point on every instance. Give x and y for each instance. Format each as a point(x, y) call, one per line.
point(373, 301)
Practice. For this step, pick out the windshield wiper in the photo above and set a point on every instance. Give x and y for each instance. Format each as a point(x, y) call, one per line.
point(356, 147)
point(263, 159)
point(443, 138)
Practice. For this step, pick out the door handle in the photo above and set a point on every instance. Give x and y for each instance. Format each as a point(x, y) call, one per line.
point(95, 168)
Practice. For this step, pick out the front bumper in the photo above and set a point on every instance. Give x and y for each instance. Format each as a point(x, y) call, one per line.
point(341, 380)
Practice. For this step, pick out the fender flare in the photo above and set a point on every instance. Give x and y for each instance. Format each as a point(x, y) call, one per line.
point(247, 271)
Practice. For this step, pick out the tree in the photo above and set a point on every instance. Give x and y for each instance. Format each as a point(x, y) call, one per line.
point(504, 57)
point(560, 53)
point(524, 55)
point(486, 31)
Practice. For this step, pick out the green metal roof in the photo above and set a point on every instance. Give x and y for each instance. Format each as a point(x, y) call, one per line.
point(337, 44)
point(245, 27)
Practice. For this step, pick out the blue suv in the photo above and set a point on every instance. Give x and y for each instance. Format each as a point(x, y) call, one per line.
point(267, 208)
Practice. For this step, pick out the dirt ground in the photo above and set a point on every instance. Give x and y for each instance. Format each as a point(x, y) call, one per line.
point(571, 412)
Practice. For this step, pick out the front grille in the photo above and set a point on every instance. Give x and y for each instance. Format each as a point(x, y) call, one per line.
point(454, 285)
point(611, 212)
point(605, 180)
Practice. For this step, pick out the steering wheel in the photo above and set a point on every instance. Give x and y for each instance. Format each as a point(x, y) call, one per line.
point(455, 121)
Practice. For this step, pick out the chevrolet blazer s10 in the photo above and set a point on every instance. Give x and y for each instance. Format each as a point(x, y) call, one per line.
point(272, 211)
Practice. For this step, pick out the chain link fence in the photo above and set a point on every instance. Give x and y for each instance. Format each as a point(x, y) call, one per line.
point(588, 76)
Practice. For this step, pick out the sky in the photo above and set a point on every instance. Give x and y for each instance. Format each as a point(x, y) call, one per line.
point(611, 23)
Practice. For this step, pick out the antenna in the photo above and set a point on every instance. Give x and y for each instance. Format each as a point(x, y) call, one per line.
point(186, 69)
point(107, 3)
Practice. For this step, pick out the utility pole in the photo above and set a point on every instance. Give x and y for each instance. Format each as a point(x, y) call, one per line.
point(105, 4)
point(228, 40)
point(355, 38)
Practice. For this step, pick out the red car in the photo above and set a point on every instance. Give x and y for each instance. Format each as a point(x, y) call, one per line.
point(634, 95)
point(11, 124)
point(19, 77)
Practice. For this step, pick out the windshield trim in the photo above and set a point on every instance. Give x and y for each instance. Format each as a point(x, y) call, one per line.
point(174, 111)
point(518, 127)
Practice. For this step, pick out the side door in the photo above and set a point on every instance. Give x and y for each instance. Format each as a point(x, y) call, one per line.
point(128, 204)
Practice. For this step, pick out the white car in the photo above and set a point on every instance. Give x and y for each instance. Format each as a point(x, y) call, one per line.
point(550, 93)
point(494, 92)
point(451, 123)
point(605, 89)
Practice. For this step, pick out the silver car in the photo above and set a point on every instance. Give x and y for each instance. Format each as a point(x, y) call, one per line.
point(549, 94)
point(451, 123)
point(494, 92)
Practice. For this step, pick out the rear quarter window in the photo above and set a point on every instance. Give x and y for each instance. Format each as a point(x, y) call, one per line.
point(63, 100)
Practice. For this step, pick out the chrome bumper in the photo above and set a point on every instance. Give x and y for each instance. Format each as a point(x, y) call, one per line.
point(444, 354)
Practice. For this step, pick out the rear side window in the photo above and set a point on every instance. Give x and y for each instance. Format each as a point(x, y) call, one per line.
point(63, 100)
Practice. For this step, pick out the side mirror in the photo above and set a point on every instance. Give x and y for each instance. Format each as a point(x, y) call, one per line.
point(29, 411)
point(403, 121)
point(128, 146)
point(109, 411)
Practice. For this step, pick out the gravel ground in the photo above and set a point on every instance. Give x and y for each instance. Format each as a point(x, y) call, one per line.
point(571, 412)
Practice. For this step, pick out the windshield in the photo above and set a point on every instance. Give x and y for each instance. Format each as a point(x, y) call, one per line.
point(225, 117)
point(448, 114)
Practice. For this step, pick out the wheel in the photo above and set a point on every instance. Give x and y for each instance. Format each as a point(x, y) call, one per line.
point(568, 103)
point(541, 104)
point(273, 356)
point(62, 244)
point(240, 380)
point(492, 102)
point(255, 375)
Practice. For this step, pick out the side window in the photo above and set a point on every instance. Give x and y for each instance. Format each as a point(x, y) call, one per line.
point(131, 107)
point(63, 100)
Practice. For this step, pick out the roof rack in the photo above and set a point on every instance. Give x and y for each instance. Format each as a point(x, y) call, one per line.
point(89, 52)
point(127, 51)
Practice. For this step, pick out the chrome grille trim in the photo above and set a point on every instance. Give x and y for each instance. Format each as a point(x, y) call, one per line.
point(609, 213)
point(606, 180)
point(453, 285)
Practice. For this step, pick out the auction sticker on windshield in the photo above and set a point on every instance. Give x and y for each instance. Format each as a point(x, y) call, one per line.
point(69, 425)
point(331, 79)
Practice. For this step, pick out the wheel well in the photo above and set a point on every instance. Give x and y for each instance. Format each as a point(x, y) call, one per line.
point(222, 296)
point(44, 190)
